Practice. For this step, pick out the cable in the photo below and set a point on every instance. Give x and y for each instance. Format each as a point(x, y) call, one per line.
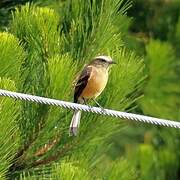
point(74, 106)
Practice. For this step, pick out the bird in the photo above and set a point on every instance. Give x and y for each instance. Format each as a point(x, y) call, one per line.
point(89, 85)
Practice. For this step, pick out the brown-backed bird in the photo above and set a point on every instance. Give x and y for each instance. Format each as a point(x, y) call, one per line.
point(90, 84)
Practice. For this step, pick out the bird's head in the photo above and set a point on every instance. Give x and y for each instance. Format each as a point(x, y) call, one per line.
point(103, 61)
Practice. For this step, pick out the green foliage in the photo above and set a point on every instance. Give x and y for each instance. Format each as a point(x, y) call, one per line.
point(176, 39)
point(162, 76)
point(37, 29)
point(155, 18)
point(44, 53)
point(9, 132)
point(71, 171)
point(130, 70)
point(48, 69)
point(58, 67)
point(147, 161)
point(11, 56)
point(10, 61)
point(92, 28)
point(119, 170)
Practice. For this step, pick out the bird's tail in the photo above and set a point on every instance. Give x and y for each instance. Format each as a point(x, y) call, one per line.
point(75, 122)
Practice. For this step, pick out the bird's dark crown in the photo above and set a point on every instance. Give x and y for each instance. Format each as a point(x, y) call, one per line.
point(104, 61)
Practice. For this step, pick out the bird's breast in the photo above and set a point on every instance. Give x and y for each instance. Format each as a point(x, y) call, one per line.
point(96, 83)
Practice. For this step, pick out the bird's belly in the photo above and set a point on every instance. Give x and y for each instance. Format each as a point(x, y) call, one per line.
point(95, 86)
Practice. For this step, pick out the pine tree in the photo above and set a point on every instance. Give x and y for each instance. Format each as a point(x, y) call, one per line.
point(51, 47)
point(42, 52)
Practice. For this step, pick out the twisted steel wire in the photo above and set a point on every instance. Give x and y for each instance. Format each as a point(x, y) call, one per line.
point(106, 112)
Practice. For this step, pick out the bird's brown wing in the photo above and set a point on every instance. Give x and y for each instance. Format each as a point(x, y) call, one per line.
point(82, 82)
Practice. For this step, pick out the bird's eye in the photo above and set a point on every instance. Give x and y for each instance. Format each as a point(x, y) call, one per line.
point(103, 60)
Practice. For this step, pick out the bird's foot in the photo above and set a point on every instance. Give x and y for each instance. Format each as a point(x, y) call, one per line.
point(85, 102)
point(102, 109)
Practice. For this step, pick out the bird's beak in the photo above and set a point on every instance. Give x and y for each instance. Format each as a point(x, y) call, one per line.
point(112, 62)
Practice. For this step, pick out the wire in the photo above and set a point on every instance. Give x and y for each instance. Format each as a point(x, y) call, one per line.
point(74, 106)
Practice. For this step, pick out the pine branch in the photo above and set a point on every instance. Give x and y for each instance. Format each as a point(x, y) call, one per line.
point(53, 158)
